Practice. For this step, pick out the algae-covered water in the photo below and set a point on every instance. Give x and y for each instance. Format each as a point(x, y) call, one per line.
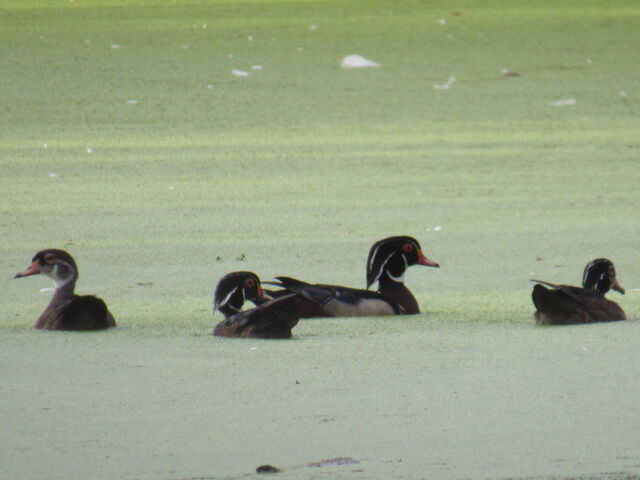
point(128, 141)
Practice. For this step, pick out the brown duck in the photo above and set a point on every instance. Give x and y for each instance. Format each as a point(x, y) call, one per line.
point(66, 310)
point(566, 304)
point(271, 318)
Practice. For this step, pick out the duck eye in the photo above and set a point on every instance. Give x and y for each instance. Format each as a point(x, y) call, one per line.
point(249, 283)
point(407, 247)
point(49, 258)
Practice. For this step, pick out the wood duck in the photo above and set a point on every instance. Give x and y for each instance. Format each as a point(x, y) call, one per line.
point(566, 304)
point(234, 289)
point(388, 260)
point(66, 310)
point(273, 317)
point(237, 287)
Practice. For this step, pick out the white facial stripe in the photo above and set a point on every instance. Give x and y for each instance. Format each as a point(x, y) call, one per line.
point(382, 267)
point(586, 272)
point(373, 257)
point(226, 299)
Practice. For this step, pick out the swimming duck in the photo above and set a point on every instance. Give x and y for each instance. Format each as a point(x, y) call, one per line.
point(273, 319)
point(66, 310)
point(566, 304)
point(387, 262)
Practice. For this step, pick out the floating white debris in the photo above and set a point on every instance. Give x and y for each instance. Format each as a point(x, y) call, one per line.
point(357, 61)
point(589, 60)
point(442, 21)
point(437, 228)
point(132, 102)
point(205, 26)
point(622, 93)
point(230, 55)
point(300, 49)
point(47, 289)
point(53, 174)
point(171, 187)
point(250, 38)
point(89, 150)
point(87, 41)
point(257, 67)
point(253, 348)
point(115, 46)
point(239, 73)
point(44, 146)
point(313, 26)
point(447, 85)
point(508, 73)
point(210, 86)
point(564, 102)
point(186, 46)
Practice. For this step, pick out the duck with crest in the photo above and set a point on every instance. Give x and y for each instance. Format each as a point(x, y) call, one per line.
point(566, 304)
point(273, 317)
point(388, 260)
point(66, 310)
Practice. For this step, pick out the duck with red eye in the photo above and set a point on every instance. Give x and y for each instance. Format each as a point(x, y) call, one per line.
point(234, 289)
point(566, 304)
point(273, 317)
point(388, 260)
point(66, 310)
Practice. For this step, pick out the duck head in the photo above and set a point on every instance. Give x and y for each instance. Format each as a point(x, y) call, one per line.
point(389, 258)
point(234, 289)
point(55, 264)
point(600, 275)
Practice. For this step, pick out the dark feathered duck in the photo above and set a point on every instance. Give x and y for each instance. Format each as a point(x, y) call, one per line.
point(271, 318)
point(566, 304)
point(388, 260)
point(66, 310)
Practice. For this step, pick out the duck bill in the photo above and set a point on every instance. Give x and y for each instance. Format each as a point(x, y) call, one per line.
point(422, 260)
point(33, 269)
point(617, 287)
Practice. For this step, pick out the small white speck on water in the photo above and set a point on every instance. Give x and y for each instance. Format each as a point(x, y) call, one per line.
point(132, 102)
point(300, 49)
point(115, 46)
point(313, 26)
point(171, 187)
point(250, 38)
point(437, 228)
point(47, 290)
point(564, 102)
point(357, 61)
point(446, 85)
point(53, 174)
point(210, 86)
point(253, 348)
point(186, 46)
point(622, 93)
point(239, 73)
point(589, 60)
point(257, 67)
point(205, 26)
point(89, 150)
point(442, 21)
point(230, 55)
point(87, 41)
point(44, 146)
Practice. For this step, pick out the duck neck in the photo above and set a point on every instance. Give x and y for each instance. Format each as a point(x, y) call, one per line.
point(397, 292)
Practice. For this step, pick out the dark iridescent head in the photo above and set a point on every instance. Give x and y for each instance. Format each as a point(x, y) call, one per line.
point(55, 264)
point(389, 258)
point(600, 275)
point(234, 289)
